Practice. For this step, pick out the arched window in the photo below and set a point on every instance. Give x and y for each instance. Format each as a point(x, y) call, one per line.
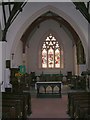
point(52, 53)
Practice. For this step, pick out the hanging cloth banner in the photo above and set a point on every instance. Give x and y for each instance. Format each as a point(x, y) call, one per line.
point(22, 69)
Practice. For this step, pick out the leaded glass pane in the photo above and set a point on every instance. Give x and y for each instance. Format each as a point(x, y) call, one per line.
point(50, 58)
point(44, 58)
point(62, 60)
point(57, 58)
point(52, 54)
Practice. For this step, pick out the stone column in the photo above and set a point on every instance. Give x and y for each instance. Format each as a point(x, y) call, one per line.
point(2, 64)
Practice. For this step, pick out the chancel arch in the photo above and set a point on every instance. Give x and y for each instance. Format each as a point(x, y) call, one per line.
point(44, 14)
point(39, 12)
point(35, 46)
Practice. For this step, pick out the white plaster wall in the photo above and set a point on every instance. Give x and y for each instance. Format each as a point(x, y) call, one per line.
point(2, 63)
point(1, 75)
point(35, 43)
point(0, 31)
point(18, 56)
point(32, 10)
point(27, 62)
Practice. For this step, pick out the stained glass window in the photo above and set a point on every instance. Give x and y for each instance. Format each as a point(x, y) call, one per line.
point(50, 58)
point(52, 53)
point(44, 58)
point(57, 58)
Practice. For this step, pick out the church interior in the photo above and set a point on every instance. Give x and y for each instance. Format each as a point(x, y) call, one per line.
point(44, 63)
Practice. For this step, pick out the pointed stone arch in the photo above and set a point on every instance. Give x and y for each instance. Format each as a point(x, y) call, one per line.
point(60, 13)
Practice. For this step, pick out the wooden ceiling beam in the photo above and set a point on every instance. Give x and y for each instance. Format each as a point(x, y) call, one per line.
point(13, 14)
point(83, 9)
point(7, 3)
point(4, 15)
point(9, 8)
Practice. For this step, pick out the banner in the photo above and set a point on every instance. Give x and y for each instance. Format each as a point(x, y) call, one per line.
point(22, 69)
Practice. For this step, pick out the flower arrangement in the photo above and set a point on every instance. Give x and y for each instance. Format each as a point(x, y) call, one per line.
point(18, 75)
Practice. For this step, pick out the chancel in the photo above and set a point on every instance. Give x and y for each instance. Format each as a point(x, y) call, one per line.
point(45, 59)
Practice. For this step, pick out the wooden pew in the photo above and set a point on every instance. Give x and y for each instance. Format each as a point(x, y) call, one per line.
point(12, 109)
point(81, 109)
point(9, 112)
point(26, 93)
point(25, 98)
point(85, 112)
point(70, 95)
point(9, 97)
point(74, 97)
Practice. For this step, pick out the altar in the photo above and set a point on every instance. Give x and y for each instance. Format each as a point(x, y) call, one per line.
point(48, 89)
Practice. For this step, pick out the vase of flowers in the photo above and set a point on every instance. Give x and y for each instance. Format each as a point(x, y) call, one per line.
point(18, 76)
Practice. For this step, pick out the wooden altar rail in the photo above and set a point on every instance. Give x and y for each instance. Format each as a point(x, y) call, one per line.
point(45, 85)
